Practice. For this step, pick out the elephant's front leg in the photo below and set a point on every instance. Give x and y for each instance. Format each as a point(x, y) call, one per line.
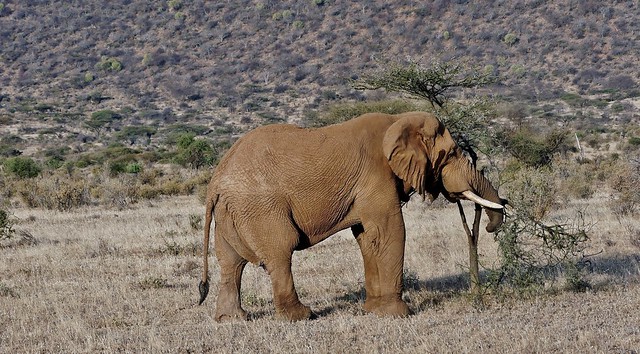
point(381, 242)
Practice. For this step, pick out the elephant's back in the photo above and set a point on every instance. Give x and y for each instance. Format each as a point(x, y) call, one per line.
point(274, 156)
point(276, 143)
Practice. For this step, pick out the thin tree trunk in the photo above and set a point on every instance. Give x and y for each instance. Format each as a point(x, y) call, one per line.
point(472, 239)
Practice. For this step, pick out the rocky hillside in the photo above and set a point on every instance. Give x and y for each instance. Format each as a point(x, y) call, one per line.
point(238, 63)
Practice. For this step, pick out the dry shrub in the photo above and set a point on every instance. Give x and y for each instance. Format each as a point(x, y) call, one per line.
point(171, 187)
point(201, 193)
point(6, 224)
point(534, 251)
point(58, 192)
point(201, 179)
point(625, 182)
point(148, 192)
point(534, 189)
point(576, 179)
point(65, 191)
point(150, 176)
point(120, 192)
point(19, 238)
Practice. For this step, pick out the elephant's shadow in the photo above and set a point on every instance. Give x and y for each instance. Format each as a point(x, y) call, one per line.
point(424, 294)
point(439, 290)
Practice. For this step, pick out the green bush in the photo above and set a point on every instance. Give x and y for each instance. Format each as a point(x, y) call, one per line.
point(510, 39)
point(194, 153)
point(530, 148)
point(179, 15)
point(116, 168)
point(56, 157)
point(23, 167)
point(176, 131)
point(55, 162)
point(88, 77)
point(109, 64)
point(133, 168)
point(287, 15)
point(105, 116)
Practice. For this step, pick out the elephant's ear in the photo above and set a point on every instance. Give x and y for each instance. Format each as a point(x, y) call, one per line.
point(407, 150)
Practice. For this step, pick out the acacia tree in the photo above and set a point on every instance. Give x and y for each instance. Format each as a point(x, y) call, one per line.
point(469, 124)
point(425, 82)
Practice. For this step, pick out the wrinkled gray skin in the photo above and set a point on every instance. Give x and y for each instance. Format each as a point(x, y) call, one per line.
point(281, 188)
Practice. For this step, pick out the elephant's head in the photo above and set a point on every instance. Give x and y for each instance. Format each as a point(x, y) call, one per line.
point(423, 154)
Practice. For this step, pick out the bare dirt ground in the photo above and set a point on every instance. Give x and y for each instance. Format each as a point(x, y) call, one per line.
point(100, 280)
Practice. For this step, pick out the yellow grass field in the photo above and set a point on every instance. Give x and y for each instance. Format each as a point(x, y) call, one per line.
point(97, 280)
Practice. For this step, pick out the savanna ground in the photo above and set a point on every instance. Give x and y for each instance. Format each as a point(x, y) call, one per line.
point(99, 280)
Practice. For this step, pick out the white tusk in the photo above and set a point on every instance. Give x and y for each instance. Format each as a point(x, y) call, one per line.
point(485, 203)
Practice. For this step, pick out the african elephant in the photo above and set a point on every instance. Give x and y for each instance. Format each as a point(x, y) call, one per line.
point(282, 188)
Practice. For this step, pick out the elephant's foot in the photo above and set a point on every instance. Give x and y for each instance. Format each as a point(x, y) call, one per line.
point(386, 306)
point(230, 315)
point(296, 312)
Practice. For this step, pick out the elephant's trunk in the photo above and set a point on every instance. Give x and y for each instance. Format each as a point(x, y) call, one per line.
point(485, 190)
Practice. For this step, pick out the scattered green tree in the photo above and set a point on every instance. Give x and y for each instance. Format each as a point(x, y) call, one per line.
point(101, 119)
point(425, 82)
point(194, 153)
point(22, 167)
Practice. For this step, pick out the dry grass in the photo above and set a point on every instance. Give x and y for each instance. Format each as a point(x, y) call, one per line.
point(99, 280)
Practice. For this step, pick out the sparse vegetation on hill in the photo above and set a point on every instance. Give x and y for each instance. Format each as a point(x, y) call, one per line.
point(107, 107)
point(233, 65)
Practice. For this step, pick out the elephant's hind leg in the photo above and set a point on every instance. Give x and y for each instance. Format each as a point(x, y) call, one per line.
point(231, 267)
point(283, 240)
point(285, 297)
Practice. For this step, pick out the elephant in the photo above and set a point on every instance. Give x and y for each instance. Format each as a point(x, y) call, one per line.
point(282, 188)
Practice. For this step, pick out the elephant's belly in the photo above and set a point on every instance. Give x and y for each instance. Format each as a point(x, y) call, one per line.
point(315, 234)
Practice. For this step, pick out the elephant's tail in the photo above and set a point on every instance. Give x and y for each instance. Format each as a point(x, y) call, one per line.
point(212, 198)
